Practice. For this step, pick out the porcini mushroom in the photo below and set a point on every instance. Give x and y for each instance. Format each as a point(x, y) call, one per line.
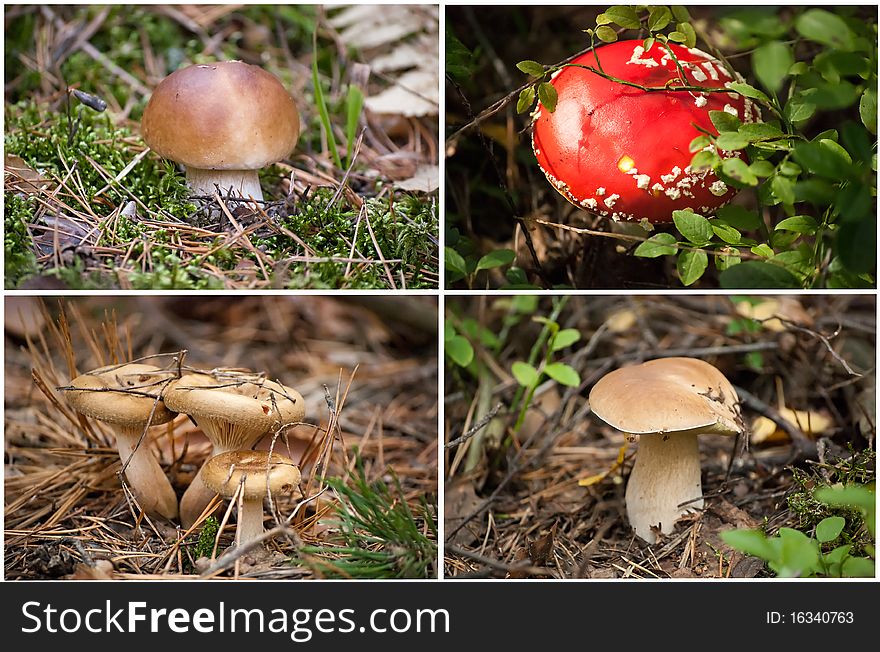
point(666, 402)
point(623, 152)
point(257, 474)
point(127, 398)
point(233, 413)
point(223, 121)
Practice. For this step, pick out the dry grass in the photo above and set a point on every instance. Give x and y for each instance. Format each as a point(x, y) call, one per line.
point(367, 383)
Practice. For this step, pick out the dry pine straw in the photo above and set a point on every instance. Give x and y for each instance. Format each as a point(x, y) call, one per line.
point(66, 512)
point(542, 524)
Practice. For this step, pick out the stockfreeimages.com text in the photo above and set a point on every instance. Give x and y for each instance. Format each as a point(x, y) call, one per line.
point(300, 624)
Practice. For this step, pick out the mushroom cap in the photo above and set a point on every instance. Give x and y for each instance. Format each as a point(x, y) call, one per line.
point(667, 395)
point(118, 407)
point(255, 407)
point(223, 473)
point(622, 152)
point(228, 115)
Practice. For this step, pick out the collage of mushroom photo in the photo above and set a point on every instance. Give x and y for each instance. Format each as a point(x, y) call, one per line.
point(263, 324)
point(221, 292)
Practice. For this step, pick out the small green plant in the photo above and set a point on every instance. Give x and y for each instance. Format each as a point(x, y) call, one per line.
point(378, 536)
point(205, 545)
point(814, 224)
point(828, 553)
point(460, 267)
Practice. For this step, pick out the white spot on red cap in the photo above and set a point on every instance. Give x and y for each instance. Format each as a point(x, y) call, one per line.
point(719, 188)
point(731, 110)
point(600, 191)
point(611, 200)
point(709, 67)
point(636, 58)
point(701, 101)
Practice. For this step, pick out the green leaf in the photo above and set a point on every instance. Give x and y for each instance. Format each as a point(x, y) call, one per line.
point(828, 529)
point(704, 161)
point(563, 374)
point(731, 141)
point(799, 109)
point(496, 259)
point(526, 98)
point(763, 250)
point(622, 15)
point(771, 63)
point(799, 554)
point(695, 228)
point(762, 169)
point(737, 169)
point(525, 374)
point(868, 109)
point(565, 338)
point(531, 68)
point(547, 96)
point(659, 244)
point(854, 202)
point(648, 43)
point(454, 262)
point(691, 265)
point(724, 121)
point(826, 28)
point(750, 542)
point(699, 143)
point(606, 34)
point(726, 233)
point(858, 567)
point(755, 131)
point(823, 158)
point(459, 350)
point(747, 90)
point(783, 189)
point(753, 274)
point(856, 245)
point(680, 13)
point(798, 224)
point(459, 60)
point(690, 34)
point(729, 259)
point(658, 17)
point(353, 105)
point(739, 217)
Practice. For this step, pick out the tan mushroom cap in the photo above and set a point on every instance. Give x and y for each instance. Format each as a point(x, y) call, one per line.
point(254, 407)
point(227, 115)
point(94, 395)
point(667, 395)
point(261, 471)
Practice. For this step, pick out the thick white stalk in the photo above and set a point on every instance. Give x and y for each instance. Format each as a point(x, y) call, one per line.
point(242, 183)
point(665, 475)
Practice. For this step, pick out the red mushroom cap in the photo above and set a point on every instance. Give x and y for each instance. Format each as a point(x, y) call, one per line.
point(622, 152)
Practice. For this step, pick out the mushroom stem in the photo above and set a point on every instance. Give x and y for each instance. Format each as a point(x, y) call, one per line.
point(665, 475)
point(244, 183)
point(194, 500)
point(149, 483)
point(250, 521)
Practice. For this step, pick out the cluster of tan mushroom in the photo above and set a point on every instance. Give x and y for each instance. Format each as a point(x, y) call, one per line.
point(233, 411)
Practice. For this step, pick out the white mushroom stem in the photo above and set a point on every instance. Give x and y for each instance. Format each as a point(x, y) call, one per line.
point(149, 483)
point(194, 500)
point(244, 183)
point(250, 521)
point(666, 474)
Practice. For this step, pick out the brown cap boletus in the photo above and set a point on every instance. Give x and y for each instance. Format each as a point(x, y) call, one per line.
point(666, 402)
point(223, 121)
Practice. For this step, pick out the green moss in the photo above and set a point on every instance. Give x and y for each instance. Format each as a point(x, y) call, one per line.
point(19, 261)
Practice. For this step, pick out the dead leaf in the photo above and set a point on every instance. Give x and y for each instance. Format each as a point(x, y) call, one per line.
point(22, 177)
point(810, 423)
point(425, 179)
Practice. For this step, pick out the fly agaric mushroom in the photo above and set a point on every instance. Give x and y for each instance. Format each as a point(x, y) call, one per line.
point(223, 121)
point(258, 474)
point(127, 398)
point(623, 152)
point(667, 402)
point(234, 414)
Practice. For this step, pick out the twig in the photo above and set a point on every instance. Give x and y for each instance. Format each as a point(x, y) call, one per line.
point(473, 430)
